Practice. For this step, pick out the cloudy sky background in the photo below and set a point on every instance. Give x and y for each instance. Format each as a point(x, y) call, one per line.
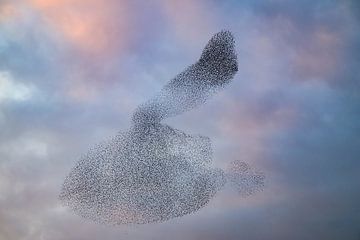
point(72, 72)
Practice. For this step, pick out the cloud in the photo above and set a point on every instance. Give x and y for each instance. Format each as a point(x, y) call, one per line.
point(73, 70)
point(198, 21)
point(14, 91)
point(89, 25)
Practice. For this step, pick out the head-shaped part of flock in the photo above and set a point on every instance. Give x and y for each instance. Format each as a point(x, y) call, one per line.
point(153, 172)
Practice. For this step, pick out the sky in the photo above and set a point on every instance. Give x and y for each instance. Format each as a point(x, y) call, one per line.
point(73, 71)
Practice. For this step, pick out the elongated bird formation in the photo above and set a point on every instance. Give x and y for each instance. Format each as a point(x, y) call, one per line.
point(153, 172)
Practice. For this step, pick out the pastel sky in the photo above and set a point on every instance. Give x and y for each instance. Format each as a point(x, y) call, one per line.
point(72, 72)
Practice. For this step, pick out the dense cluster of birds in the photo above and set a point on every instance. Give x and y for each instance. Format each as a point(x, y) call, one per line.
point(153, 172)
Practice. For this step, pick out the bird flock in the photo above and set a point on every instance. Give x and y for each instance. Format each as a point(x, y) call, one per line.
point(153, 172)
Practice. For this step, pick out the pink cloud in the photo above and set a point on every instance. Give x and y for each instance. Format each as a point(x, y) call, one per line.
point(190, 20)
point(319, 54)
point(91, 26)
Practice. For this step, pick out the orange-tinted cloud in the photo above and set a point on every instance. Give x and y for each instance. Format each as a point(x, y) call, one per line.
point(93, 26)
point(7, 10)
